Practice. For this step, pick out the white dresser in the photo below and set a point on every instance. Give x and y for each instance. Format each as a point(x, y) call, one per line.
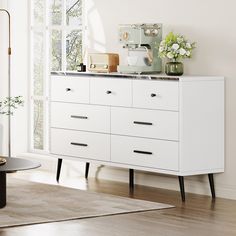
point(154, 123)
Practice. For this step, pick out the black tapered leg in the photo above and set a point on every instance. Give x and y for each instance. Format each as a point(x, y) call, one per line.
point(3, 191)
point(212, 186)
point(131, 179)
point(59, 163)
point(181, 185)
point(87, 169)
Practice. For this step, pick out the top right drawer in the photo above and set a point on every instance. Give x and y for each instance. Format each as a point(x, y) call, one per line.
point(163, 95)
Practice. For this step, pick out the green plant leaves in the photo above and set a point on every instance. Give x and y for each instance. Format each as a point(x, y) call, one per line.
point(175, 47)
point(9, 104)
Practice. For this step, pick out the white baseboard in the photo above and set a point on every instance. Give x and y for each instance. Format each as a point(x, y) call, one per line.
point(193, 184)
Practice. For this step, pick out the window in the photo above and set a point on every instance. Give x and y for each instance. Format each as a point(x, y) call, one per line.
point(56, 45)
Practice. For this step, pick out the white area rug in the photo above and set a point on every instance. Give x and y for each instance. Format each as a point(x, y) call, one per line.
point(33, 203)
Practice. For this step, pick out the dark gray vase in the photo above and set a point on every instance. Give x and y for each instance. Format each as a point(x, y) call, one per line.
point(174, 68)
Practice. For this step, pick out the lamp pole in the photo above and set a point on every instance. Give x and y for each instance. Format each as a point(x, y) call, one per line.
point(9, 77)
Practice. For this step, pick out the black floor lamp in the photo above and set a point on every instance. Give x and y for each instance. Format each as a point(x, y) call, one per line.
point(9, 76)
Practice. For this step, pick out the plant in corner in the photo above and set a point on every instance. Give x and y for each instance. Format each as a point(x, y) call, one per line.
point(175, 47)
point(9, 104)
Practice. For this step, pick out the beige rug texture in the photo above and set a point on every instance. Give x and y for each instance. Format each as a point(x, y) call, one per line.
point(33, 203)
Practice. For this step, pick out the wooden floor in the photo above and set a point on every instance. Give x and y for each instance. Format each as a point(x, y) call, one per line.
point(199, 215)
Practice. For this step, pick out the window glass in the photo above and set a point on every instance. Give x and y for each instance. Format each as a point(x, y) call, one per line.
point(39, 12)
point(56, 12)
point(38, 125)
point(73, 49)
point(38, 65)
point(56, 49)
point(74, 12)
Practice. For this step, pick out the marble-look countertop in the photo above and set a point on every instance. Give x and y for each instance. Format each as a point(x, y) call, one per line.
point(163, 77)
point(117, 75)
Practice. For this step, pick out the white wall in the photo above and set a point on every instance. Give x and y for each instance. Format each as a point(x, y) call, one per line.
point(210, 24)
point(19, 78)
point(20, 69)
point(3, 75)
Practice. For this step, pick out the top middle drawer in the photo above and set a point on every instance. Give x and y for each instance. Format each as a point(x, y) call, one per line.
point(110, 91)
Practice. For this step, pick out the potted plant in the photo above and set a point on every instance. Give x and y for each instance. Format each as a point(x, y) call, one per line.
point(174, 48)
point(9, 104)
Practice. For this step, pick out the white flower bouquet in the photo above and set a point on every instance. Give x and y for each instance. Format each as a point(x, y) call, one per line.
point(175, 47)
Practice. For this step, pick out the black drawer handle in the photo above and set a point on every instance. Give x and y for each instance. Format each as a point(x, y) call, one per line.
point(80, 117)
point(153, 95)
point(68, 89)
point(142, 152)
point(142, 123)
point(109, 92)
point(79, 144)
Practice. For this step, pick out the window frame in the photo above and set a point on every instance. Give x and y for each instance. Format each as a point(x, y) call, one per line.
point(47, 28)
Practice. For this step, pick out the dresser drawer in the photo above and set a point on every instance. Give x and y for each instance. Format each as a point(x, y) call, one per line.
point(145, 123)
point(80, 117)
point(70, 89)
point(156, 94)
point(115, 92)
point(80, 144)
point(145, 152)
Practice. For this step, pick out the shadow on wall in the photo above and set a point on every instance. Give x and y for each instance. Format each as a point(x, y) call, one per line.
point(212, 56)
point(95, 38)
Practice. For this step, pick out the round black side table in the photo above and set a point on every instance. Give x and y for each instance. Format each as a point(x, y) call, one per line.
point(12, 164)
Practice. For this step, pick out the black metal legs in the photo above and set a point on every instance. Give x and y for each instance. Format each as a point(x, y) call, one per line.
point(131, 182)
point(212, 186)
point(131, 179)
point(59, 163)
point(211, 182)
point(181, 185)
point(87, 169)
point(3, 191)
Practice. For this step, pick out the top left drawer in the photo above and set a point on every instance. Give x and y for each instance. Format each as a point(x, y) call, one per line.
point(69, 89)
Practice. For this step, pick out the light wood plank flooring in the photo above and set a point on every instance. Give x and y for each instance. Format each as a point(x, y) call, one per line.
point(199, 215)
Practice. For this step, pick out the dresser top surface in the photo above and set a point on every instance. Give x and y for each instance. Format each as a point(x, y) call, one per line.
point(184, 78)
